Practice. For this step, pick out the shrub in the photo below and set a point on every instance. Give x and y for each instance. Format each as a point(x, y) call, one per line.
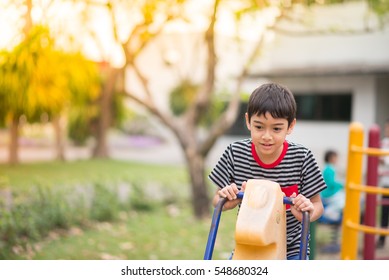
point(105, 205)
point(34, 214)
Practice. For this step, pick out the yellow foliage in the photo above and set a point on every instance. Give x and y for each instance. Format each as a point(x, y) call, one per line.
point(36, 78)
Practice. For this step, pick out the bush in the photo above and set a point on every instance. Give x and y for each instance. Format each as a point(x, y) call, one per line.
point(105, 205)
point(44, 209)
point(138, 199)
point(32, 217)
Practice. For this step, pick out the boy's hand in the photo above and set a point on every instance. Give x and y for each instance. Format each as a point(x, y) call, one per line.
point(230, 193)
point(300, 204)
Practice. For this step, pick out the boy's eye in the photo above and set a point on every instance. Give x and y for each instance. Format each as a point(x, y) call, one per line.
point(277, 129)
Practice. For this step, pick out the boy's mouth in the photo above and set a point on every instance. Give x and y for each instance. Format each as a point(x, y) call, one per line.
point(266, 145)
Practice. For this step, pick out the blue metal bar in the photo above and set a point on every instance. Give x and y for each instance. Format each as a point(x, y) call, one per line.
point(288, 200)
point(304, 236)
point(303, 253)
point(216, 220)
point(214, 227)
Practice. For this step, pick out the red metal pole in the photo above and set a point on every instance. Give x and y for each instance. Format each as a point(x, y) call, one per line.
point(371, 199)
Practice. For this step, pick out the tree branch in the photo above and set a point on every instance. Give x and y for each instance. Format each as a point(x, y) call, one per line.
point(203, 97)
point(227, 119)
point(166, 119)
point(131, 54)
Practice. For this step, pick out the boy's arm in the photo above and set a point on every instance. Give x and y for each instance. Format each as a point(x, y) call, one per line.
point(317, 207)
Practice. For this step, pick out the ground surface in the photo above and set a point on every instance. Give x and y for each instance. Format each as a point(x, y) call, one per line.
point(154, 151)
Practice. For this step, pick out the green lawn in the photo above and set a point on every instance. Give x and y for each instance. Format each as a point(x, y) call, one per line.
point(142, 236)
point(167, 231)
point(23, 176)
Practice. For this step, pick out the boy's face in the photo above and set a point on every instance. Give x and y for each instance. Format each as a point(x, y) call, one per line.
point(268, 135)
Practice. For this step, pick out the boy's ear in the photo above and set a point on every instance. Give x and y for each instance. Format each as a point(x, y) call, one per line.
point(247, 121)
point(291, 126)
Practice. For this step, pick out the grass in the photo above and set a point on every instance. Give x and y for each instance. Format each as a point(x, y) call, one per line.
point(22, 177)
point(165, 231)
point(142, 236)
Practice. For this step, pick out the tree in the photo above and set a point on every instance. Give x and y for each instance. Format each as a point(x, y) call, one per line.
point(93, 116)
point(153, 17)
point(25, 83)
point(28, 89)
point(38, 78)
point(147, 22)
point(137, 26)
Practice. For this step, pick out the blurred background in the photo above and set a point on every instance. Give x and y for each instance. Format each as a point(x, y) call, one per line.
point(113, 112)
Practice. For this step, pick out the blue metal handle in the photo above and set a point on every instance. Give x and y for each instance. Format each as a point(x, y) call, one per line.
point(216, 220)
point(304, 231)
point(214, 227)
point(304, 239)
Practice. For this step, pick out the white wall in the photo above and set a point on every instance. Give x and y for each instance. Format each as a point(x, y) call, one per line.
point(339, 40)
point(320, 136)
point(326, 63)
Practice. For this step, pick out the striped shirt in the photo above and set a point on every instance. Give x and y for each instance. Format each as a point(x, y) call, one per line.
point(296, 170)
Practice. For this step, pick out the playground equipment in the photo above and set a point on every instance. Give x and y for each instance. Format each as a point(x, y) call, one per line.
point(334, 246)
point(261, 224)
point(351, 215)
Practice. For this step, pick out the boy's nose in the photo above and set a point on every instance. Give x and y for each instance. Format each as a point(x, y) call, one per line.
point(266, 135)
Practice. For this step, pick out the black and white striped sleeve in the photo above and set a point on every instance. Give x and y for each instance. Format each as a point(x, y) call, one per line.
point(313, 182)
point(223, 172)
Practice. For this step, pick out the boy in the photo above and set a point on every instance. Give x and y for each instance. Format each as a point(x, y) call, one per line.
point(270, 117)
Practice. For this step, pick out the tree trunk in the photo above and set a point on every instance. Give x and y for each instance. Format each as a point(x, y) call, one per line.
point(101, 148)
point(200, 198)
point(59, 139)
point(105, 118)
point(13, 143)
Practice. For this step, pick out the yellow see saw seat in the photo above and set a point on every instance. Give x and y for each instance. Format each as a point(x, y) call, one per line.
point(260, 232)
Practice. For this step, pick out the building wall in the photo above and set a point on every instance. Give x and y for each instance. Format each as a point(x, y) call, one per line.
point(334, 62)
point(382, 102)
point(320, 136)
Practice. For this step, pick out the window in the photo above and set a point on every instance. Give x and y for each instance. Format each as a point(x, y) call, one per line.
point(310, 106)
point(324, 107)
point(239, 127)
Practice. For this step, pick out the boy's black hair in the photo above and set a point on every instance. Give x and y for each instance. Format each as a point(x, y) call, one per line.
point(272, 98)
point(328, 155)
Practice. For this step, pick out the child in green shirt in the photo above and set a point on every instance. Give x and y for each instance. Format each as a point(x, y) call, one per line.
point(333, 196)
